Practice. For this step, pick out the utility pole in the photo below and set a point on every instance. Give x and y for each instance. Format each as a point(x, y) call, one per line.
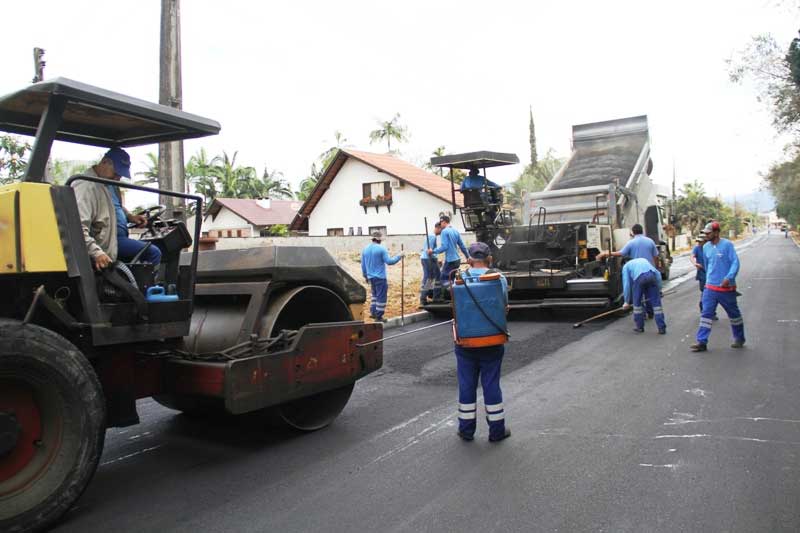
point(38, 65)
point(673, 210)
point(170, 93)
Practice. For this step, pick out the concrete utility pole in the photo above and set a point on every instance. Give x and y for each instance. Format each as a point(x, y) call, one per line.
point(38, 65)
point(170, 92)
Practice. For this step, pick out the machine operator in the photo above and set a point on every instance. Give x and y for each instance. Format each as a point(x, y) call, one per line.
point(104, 219)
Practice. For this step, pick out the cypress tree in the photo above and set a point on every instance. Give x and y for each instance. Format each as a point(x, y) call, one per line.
point(532, 139)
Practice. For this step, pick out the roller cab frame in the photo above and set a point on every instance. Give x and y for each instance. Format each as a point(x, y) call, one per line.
point(269, 329)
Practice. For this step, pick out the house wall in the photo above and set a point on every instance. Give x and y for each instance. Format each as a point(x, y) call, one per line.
point(335, 245)
point(227, 220)
point(339, 207)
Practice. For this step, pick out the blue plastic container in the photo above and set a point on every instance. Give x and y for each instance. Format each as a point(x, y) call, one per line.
point(157, 294)
point(471, 328)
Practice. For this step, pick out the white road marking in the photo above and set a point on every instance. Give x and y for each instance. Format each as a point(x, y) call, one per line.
point(134, 454)
point(697, 392)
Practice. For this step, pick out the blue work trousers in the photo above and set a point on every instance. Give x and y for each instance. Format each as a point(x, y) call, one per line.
point(377, 306)
point(483, 363)
point(430, 277)
point(445, 277)
point(727, 300)
point(646, 286)
point(127, 249)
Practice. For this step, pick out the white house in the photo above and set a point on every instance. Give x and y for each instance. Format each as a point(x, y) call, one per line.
point(361, 191)
point(239, 217)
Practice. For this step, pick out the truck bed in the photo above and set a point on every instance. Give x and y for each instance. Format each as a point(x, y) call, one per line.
point(601, 162)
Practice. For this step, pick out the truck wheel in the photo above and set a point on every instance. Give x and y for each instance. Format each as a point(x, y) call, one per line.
point(52, 426)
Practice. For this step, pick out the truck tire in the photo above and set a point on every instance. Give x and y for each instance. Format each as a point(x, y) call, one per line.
point(52, 426)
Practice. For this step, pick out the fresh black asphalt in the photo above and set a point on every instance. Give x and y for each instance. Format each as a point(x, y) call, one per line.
point(612, 431)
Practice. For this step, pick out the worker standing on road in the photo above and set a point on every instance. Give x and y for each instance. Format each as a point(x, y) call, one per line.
point(483, 363)
point(699, 262)
point(374, 259)
point(640, 246)
point(640, 279)
point(451, 243)
point(430, 266)
point(722, 266)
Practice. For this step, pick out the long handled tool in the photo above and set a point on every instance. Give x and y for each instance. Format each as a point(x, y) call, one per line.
point(406, 333)
point(595, 317)
point(402, 287)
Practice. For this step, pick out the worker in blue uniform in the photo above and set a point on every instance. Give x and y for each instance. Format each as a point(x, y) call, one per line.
point(698, 260)
point(484, 363)
point(374, 259)
point(640, 280)
point(430, 266)
point(475, 180)
point(127, 248)
point(722, 267)
point(450, 244)
point(640, 246)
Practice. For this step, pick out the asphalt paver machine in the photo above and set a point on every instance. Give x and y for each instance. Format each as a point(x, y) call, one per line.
point(261, 331)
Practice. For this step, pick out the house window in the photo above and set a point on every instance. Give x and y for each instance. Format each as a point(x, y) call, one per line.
point(375, 189)
point(360, 231)
point(350, 231)
point(382, 229)
point(238, 233)
point(335, 232)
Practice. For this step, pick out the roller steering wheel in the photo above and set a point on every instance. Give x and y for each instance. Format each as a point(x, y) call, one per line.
point(151, 214)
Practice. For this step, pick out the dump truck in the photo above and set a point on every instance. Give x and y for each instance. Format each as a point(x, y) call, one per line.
point(268, 332)
point(550, 256)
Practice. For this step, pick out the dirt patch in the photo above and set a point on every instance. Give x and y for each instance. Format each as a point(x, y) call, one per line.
point(413, 277)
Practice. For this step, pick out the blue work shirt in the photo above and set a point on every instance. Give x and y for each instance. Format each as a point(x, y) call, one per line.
point(697, 253)
point(721, 263)
point(477, 182)
point(431, 244)
point(632, 270)
point(640, 247)
point(119, 212)
point(451, 242)
point(374, 259)
point(478, 271)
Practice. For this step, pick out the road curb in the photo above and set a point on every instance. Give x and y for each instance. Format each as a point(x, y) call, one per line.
point(409, 319)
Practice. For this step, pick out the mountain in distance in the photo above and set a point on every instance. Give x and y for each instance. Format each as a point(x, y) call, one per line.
point(761, 201)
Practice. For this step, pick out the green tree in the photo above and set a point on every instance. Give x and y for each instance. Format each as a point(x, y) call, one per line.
point(694, 208)
point(534, 178)
point(325, 158)
point(61, 170)
point(150, 174)
point(532, 140)
point(200, 178)
point(388, 130)
point(308, 183)
point(279, 230)
point(784, 182)
point(230, 179)
point(270, 185)
point(14, 154)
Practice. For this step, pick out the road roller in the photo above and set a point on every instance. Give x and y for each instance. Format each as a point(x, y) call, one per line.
point(265, 331)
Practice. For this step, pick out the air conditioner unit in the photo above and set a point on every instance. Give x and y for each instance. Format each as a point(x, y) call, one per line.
point(396, 183)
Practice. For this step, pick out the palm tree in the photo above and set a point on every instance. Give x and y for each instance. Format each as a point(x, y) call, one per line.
point(308, 183)
point(439, 152)
point(150, 175)
point(270, 185)
point(327, 156)
point(230, 179)
point(390, 129)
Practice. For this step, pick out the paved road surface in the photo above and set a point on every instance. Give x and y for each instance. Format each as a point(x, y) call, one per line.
point(612, 431)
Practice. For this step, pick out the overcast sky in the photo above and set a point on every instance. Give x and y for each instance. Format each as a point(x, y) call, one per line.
point(281, 77)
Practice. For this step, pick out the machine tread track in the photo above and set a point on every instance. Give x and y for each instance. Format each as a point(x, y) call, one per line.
point(30, 350)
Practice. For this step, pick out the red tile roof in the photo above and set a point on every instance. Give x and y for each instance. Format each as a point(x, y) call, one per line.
point(279, 212)
point(390, 164)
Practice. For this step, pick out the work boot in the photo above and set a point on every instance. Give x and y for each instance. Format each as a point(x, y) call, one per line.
point(650, 316)
point(737, 344)
point(638, 330)
point(662, 331)
point(466, 436)
point(698, 347)
point(505, 435)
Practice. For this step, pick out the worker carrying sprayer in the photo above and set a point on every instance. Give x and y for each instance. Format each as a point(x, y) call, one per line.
point(480, 304)
point(374, 259)
point(722, 266)
point(640, 280)
point(450, 244)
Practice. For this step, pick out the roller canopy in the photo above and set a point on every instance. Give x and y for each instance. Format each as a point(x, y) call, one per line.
point(470, 160)
point(99, 117)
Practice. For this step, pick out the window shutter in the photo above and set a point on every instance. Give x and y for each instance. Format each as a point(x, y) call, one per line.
point(387, 188)
point(365, 190)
